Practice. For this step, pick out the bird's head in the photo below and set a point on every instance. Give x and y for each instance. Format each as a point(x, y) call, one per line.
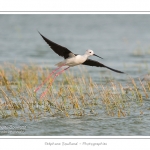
point(89, 52)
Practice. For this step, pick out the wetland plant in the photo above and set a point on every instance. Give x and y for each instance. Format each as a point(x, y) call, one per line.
point(70, 96)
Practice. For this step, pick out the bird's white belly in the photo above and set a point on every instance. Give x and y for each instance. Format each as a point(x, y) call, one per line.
point(77, 60)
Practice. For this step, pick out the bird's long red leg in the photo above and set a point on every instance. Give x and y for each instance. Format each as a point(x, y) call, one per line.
point(46, 79)
point(57, 74)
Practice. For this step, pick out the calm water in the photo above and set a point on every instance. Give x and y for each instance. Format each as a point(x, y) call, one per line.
point(119, 39)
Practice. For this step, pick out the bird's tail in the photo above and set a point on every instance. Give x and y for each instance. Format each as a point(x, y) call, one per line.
point(62, 63)
point(114, 70)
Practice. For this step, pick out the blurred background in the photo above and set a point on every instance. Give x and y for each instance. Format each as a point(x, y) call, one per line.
point(122, 40)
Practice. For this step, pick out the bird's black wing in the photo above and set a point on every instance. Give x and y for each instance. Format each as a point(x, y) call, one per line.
point(91, 62)
point(60, 50)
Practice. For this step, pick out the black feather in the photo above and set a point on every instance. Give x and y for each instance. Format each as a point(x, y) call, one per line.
point(60, 50)
point(91, 62)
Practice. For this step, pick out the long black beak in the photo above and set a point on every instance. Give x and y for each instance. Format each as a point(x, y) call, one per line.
point(98, 56)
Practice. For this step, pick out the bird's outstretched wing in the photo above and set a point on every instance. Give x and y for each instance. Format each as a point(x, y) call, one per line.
point(91, 62)
point(60, 50)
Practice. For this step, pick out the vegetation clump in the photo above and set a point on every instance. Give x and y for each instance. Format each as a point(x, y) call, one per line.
point(69, 96)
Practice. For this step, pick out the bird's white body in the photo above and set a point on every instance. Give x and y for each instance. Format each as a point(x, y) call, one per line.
point(76, 60)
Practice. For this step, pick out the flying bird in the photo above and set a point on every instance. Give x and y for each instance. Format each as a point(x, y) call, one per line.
point(71, 59)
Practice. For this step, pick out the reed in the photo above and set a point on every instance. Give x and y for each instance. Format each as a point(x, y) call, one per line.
point(70, 95)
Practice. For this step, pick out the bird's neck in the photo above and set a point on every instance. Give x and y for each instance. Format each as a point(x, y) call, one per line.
point(86, 56)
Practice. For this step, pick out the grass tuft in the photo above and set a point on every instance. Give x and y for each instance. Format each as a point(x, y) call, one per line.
point(69, 96)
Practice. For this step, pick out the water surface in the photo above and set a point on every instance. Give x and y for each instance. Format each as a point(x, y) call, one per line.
point(122, 40)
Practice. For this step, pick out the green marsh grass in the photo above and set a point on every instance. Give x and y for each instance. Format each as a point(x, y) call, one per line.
point(70, 95)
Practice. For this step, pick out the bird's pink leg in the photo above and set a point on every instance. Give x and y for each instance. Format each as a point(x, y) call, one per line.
point(57, 74)
point(46, 79)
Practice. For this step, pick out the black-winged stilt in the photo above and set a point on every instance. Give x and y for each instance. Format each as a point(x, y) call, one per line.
point(70, 60)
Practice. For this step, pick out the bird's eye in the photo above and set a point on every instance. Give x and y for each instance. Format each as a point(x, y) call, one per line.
point(90, 52)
